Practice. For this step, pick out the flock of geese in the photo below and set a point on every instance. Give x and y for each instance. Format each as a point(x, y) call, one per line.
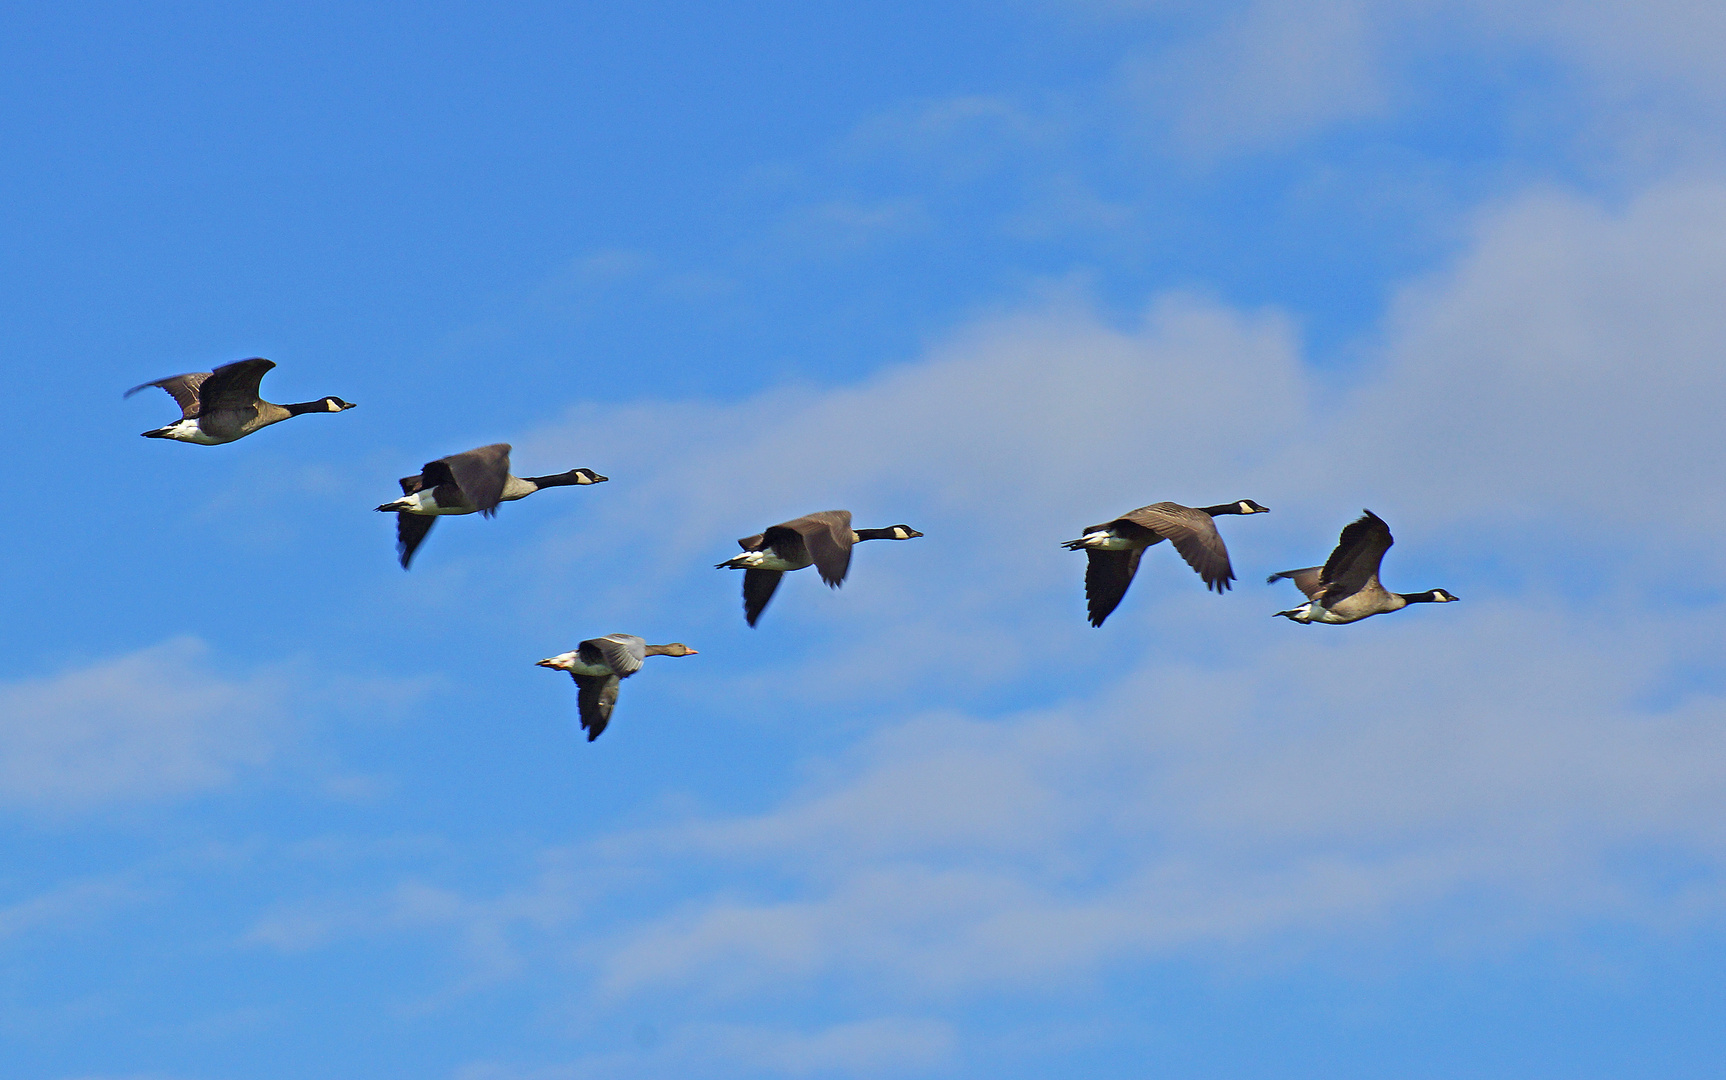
point(223, 405)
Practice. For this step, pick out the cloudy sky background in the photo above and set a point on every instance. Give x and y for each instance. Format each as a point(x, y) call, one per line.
point(273, 808)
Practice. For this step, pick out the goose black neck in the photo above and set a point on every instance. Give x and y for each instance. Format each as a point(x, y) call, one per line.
point(1224, 508)
point(566, 479)
point(306, 406)
point(876, 534)
point(1418, 597)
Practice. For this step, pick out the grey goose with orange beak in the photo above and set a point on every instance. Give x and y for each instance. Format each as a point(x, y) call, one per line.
point(821, 540)
point(1113, 548)
point(223, 405)
point(1346, 588)
point(598, 665)
point(472, 482)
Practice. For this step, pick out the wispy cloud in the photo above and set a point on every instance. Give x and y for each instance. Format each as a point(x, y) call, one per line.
point(1199, 777)
point(153, 724)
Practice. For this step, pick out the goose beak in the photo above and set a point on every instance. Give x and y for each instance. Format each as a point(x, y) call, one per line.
point(694, 652)
point(546, 663)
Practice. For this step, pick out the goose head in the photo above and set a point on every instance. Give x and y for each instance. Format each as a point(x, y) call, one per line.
point(676, 648)
point(1441, 596)
point(562, 661)
point(905, 532)
point(1247, 506)
point(336, 404)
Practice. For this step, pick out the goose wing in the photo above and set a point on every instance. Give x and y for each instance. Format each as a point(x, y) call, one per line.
point(411, 484)
point(758, 588)
point(480, 474)
point(411, 530)
point(1195, 536)
point(233, 387)
point(1107, 575)
point(596, 697)
point(1309, 581)
point(827, 537)
point(1355, 561)
point(622, 653)
point(183, 389)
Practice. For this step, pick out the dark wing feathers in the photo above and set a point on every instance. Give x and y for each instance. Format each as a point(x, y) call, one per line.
point(411, 531)
point(233, 387)
point(182, 388)
point(753, 543)
point(758, 587)
point(1195, 536)
point(481, 474)
point(411, 484)
point(1355, 561)
point(596, 698)
point(827, 537)
point(1107, 575)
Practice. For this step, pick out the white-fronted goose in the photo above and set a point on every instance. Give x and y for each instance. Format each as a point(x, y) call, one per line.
point(599, 664)
point(223, 405)
point(1346, 588)
point(467, 483)
point(823, 540)
point(1114, 547)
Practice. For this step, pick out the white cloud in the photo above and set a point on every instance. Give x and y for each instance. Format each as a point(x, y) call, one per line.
point(153, 724)
point(1203, 778)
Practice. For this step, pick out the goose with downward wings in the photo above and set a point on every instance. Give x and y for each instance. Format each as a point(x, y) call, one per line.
point(820, 540)
point(472, 482)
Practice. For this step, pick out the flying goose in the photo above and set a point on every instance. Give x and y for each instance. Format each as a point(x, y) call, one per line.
point(1114, 547)
point(223, 405)
point(599, 664)
point(1346, 588)
point(471, 482)
point(823, 540)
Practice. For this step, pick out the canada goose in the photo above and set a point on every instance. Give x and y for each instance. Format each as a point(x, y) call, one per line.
point(466, 483)
point(223, 405)
point(599, 664)
point(1114, 547)
point(823, 539)
point(1346, 589)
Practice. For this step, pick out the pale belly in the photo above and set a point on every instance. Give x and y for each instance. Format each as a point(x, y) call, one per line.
point(767, 560)
point(423, 504)
point(189, 431)
point(1108, 541)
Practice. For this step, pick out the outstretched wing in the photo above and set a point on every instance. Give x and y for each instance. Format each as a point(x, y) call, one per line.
point(622, 653)
point(1194, 535)
point(1309, 581)
point(183, 389)
point(596, 698)
point(827, 538)
point(1107, 575)
point(481, 475)
point(411, 531)
point(1355, 561)
point(233, 387)
point(758, 587)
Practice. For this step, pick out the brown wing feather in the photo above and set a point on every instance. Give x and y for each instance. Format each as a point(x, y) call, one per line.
point(233, 387)
point(1107, 576)
point(596, 697)
point(758, 588)
point(182, 388)
point(1309, 581)
point(1359, 551)
point(411, 531)
point(827, 538)
point(481, 475)
point(1195, 536)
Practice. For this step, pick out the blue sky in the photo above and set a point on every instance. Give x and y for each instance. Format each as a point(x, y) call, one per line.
point(273, 808)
